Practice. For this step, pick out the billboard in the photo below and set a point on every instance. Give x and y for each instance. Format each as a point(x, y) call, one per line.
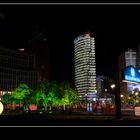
point(131, 74)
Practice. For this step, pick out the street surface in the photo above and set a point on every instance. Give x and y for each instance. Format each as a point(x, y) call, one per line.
point(67, 120)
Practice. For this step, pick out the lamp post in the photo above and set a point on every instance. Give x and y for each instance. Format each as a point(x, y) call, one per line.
point(113, 86)
point(117, 101)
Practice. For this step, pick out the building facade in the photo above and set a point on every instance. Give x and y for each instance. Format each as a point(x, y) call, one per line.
point(39, 46)
point(103, 85)
point(85, 66)
point(16, 68)
point(129, 58)
point(105, 93)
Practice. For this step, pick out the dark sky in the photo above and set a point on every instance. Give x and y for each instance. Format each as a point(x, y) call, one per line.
point(115, 27)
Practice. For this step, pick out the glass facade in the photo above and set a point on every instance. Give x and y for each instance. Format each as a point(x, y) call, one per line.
point(16, 68)
point(85, 65)
point(128, 58)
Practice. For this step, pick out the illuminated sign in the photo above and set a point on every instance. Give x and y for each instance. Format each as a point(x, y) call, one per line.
point(131, 74)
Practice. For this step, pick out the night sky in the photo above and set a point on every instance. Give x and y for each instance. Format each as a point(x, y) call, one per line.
point(115, 27)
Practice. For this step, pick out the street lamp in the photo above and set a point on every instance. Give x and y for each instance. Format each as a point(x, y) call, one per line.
point(121, 95)
point(117, 100)
point(113, 86)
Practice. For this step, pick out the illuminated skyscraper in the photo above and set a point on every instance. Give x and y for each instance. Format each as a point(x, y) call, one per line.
point(85, 66)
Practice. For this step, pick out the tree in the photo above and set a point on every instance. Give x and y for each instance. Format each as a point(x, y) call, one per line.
point(73, 96)
point(6, 99)
point(47, 93)
point(68, 95)
point(52, 94)
point(21, 93)
point(40, 98)
point(41, 92)
point(43, 87)
point(132, 97)
point(52, 99)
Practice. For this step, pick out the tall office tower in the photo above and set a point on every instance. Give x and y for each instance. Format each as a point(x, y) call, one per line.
point(39, 46)
point(85, 66)
point(130, 57)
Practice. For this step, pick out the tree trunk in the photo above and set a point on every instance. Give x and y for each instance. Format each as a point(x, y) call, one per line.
point(50, 108)
point(44, 107)
point(13, 106)
point(64, 107)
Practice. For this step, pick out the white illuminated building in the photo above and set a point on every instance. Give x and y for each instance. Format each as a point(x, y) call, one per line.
point(129, 58)
point(85, 66)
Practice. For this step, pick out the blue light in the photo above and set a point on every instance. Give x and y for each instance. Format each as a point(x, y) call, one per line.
point(131, 74)
point(133, 79)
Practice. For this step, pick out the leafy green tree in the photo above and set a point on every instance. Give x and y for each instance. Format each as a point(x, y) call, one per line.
point(47, 92)
point(43, 87)
point(41, 99)
point(73, 96)
point(39, 96)
point(51, 94)
point(52, 99)
point(68, 95)
point(20, 94)
point(65, 100)
point(6, 99)
point(31, 98)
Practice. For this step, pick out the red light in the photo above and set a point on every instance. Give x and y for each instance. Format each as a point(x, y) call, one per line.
point(33, 107)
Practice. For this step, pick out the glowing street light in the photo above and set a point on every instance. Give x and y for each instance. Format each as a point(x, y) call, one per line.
point(121, 95)
point(113, 86)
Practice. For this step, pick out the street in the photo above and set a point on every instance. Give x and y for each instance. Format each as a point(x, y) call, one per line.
point(66, 120)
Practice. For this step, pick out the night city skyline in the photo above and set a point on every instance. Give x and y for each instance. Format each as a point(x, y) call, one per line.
point(115, 27)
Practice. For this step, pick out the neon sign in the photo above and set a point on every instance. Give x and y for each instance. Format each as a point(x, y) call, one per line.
point(131, 74)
